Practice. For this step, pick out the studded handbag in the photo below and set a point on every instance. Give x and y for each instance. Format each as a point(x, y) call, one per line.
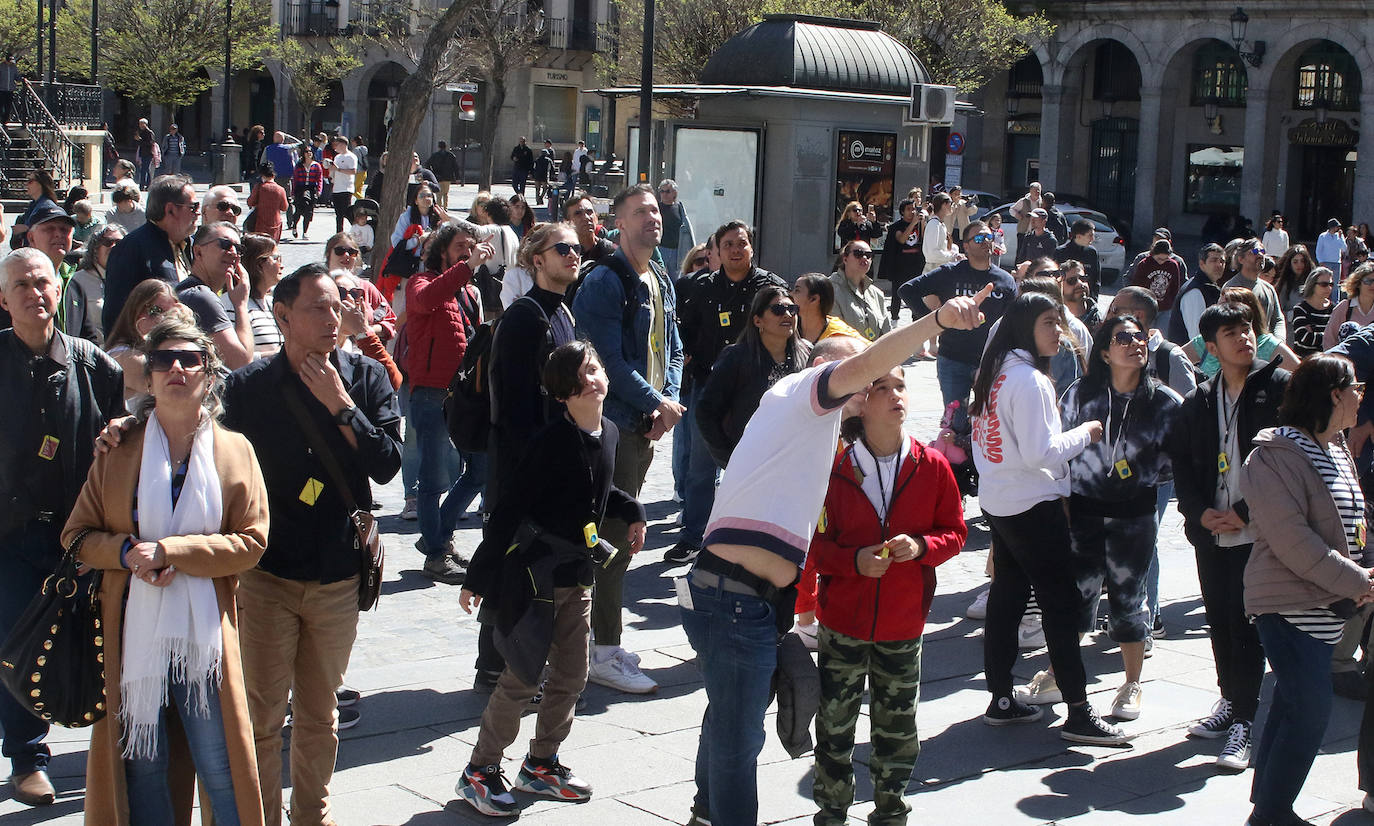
point(53, 661)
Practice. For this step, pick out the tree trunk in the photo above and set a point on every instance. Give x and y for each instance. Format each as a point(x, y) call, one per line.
point(496, 94)
point(411, 105)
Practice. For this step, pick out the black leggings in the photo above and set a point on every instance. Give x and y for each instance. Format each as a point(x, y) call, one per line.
point(1033, 549)
point(304, 211)
point(1235, 642)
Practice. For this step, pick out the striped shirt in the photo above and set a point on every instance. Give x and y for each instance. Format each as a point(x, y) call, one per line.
point(1322, 623)
point(267, 337)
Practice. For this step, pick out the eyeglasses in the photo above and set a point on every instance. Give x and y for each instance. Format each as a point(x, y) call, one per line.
point(563, 248)
point(781, 309)
point(861, 253)
point(194, 206)
point(229, 206)
point(355, 293)
point(346, 251)
point(1126, 338)
point(1326, 284)
point(274, 257)
point(160, 361)
point(1367, 281)
point(982, 238)
point(225, 245)
point(1055, 274)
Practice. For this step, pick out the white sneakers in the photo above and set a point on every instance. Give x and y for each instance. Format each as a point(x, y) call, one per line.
point(978, 609)
point(619, 670)
point(1041, 690)
point(1126, 706)
point(1030, 634)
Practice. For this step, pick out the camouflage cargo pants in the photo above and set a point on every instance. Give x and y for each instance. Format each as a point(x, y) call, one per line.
point(892, 671)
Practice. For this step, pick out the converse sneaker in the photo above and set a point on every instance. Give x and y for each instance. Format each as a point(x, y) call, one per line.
point(1084, 726)
point(681, 553)
point(345, 697)
point(1031, 634)
point(1216, 724)
point(1126, 706)
point(485, 790)
point(1235, 755)
point(1006, 711)
point(620, 670)
point(1157, 627)
point(978, 609)
point(348, 718)
point(1041, 690)
point(551, 778)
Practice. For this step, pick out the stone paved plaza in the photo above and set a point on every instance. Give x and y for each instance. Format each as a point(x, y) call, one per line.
point(413, 664)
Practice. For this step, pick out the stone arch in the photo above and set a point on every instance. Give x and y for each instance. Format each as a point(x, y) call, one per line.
point(1282, 52)
point(1072, 50)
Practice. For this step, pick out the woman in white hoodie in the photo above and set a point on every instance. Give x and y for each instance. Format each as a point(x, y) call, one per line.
point(1022, 455)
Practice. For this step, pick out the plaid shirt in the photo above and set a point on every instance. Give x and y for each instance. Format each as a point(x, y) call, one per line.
point(307, 179)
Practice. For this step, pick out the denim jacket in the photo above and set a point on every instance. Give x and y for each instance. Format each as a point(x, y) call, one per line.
point(599, 310)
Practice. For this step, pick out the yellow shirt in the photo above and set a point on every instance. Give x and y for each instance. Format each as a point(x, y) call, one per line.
point(836, 326)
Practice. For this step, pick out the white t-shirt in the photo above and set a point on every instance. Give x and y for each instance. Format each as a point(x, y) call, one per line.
point(362, 235)
point(772, 492)
point(344, 167)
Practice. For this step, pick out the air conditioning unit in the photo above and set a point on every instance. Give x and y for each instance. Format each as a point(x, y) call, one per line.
point(931, 105)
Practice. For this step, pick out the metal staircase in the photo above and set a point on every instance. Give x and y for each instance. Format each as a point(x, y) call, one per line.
point(35, 138)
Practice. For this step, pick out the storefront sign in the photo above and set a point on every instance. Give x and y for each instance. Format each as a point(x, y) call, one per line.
point(1023, 127)
point(1334, 132)
point(866, 171)
point(555, 77)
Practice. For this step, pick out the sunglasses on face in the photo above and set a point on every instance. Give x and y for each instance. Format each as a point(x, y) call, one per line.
point(1257, 250)
point(781, 309)
point(160, 361)
point(563, 248)
point(1326, 284)
point(225, 245)
point(153, 311)
point(982, 238)
point(194, 206)
point(229, 206)
point(346, 251)
point(355, 293)
point(1126, 338)
point(106, 242)
point(1055, 274)
point(862, 253)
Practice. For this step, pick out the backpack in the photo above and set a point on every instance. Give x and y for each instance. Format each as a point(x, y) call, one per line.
point(1163, 365)
point(469, 408)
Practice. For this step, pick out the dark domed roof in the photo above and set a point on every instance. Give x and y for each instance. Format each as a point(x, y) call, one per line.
point(816, 53)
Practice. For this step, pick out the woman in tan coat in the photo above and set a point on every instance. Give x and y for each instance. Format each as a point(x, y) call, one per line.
point(176, 511)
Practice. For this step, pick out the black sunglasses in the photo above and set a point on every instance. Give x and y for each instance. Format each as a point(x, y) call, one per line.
point(1126, 338)
point(1055, 274)
point(781, 309)
point(563, 248)
point(346, 251)
point(861, 253)
point(160, 361)
point(229, 206)
point(356, 293)
point(226, 245)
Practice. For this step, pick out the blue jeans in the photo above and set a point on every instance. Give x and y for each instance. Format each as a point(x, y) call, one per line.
point(699, 486)
point(436, 457)
point(1298, 714)
point(672, 261)
point(955, 377)
point(410, 452)
point(1166, 492)
point(150, 797)
point(682, 449)
point(145, 171)
point(736, 642)
point(23, 579)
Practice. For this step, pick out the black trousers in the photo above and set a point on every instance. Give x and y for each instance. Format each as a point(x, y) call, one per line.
point(1032, 549)
point(1235, 642)
point(342, 201)
point(1364, 755)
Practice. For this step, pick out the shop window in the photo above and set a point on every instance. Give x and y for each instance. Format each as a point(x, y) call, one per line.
point(1213, 178)
point(1219, 75)
point(1327, 77)
point(555, 114)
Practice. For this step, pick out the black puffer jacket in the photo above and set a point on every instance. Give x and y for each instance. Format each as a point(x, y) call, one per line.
point(732, 394)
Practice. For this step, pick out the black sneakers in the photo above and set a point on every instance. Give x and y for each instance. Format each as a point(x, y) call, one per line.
point(681, 552)
point(1006, 711)
point(1084, 726)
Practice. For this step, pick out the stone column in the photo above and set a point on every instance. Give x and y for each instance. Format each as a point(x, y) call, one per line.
point(1058, 117)
point(1364, 167)
point(1257, 176)
point(1149, 184)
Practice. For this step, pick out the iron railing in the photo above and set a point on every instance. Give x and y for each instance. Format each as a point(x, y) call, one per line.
point(74, 105)
point(312, 17)
point(61, 157)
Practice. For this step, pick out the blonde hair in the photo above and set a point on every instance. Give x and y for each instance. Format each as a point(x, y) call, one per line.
point(848, 208)
point(1352, 281)
point(537, 239)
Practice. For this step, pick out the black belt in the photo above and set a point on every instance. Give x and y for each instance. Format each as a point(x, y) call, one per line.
point(726, 570)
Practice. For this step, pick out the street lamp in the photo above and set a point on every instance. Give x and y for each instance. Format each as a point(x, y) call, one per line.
point(1240, 21)
point(1013, 103)
point(1209, 108)
point(1320, 105)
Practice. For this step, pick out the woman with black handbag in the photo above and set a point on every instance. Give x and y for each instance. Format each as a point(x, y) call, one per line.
point(173, 515)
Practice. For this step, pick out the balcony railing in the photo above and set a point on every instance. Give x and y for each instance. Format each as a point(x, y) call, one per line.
point(318, 17)
point(575, 34)
point(73, 105)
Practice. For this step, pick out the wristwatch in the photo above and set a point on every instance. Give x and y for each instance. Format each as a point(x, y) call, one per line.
point(345, 416)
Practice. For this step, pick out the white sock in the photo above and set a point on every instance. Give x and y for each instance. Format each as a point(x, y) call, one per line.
point(602, 653)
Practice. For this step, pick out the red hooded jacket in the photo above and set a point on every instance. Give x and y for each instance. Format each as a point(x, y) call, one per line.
point(436, 326)
point(926, 504)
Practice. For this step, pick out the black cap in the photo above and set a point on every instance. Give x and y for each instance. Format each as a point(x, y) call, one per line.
point(1333, 223)
point(46, 213)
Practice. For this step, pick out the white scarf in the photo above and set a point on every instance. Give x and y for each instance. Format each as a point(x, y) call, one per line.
point(172, 631)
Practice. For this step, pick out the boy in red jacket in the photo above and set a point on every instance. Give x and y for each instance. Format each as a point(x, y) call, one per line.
point(892, 513)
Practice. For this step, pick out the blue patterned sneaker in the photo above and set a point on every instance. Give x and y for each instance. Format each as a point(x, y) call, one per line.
point(485, 790)
point(551, 778)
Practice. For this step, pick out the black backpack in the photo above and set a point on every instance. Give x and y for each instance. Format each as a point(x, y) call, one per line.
point(469, 407)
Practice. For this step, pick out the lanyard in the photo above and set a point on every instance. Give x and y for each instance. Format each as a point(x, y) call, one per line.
point(1228, 418)
point(1120, 436)
point(884, 494)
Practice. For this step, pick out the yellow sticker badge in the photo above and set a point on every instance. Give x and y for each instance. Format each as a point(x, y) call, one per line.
point(312, 490)
point(822, 522)
point(48, 450)
point(725, 319)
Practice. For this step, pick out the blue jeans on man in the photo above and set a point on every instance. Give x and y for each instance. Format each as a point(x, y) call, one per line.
point(955, 378)
point(150, 796)
point(699, 484)
point(437, 522)
point(23, 579)
point(736, 640)
point(145, 170)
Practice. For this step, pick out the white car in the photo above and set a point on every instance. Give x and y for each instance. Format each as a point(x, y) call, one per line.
point(1110, 246)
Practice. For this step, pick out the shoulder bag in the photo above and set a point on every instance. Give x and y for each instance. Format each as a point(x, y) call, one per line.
point(367, 537)
point(53, 661)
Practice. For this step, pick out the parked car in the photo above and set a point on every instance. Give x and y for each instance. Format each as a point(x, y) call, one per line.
point(985, 201)
point(1110, 245)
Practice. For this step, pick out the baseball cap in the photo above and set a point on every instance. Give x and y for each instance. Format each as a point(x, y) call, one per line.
point(1039, 213)
point(1333, 223)
point(46, 213)
point(1163, 232)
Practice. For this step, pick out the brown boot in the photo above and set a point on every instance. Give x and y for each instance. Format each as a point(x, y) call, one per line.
point(33, 789)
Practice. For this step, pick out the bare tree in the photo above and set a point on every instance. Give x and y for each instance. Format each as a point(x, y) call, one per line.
point(313, 65)
point(505, 36)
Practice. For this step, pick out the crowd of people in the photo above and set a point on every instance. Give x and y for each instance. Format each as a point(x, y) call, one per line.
point(240, 415)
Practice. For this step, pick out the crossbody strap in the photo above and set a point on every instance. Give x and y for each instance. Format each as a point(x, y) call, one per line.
point(318, 444)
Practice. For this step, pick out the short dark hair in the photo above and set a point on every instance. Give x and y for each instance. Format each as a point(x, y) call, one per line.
point(904, 203)
point(1080, 227)
point(729, 227)
point(289, 288)
point(973, 228)
point(1142, 299)
point(268, 169)
point(629, 192)
point(1222, 315)
point(443, 145)
point(819, 286)
point(1208, 249)
point(497, 210)
point(439, 242)
point(1307, 401)
point(164, 190)
point(563, 370)
point(580, 195)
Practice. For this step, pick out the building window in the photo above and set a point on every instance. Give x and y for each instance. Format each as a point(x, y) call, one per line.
point(1025, 77)
point(1213, 178)
point(1327, 78)
point(1116, 74)
point(1219, 75)
point(555, 114)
